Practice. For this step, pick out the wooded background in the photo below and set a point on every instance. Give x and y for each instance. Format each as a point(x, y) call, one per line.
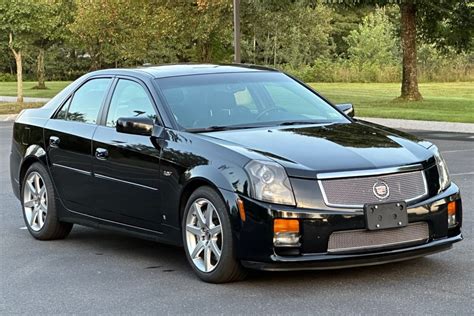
point(326, 41)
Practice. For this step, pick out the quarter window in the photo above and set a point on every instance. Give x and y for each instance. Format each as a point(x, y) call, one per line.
point(129, 100)
point(86, 102)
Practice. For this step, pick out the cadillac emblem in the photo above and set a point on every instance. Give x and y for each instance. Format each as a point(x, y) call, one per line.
point(381, 190)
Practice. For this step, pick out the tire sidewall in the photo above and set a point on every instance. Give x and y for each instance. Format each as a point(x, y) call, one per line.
point(227, 259)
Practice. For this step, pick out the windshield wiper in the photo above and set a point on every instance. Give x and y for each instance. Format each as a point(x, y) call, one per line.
point(216, 128)
point(300, 122)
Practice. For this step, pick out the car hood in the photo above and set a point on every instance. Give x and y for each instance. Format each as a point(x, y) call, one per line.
point(307, 150)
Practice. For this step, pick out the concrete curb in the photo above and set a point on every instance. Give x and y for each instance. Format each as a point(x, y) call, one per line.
point(25, 99)
point(7, 117)
point(423, 125)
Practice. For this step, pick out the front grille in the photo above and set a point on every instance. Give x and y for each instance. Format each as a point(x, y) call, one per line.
point(355, 192)
point(357, 240)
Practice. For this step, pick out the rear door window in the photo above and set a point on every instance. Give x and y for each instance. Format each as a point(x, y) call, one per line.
point(87, 100)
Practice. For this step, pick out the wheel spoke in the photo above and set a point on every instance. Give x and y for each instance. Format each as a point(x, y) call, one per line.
point(37, 184)
point(44, 208)
point(42, 191)
point(197, 250)
point(209, 213)
point(199, 214)
point(29, 203)
point(207, 258)
point(215, 230)
point(34, 217)
point(31, 187)
point(40, 218)
point(215, 249)
point(196, 231)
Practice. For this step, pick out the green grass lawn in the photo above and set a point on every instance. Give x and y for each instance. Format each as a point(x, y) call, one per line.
point(9, 89)
point(12, 108)
point(453, 101)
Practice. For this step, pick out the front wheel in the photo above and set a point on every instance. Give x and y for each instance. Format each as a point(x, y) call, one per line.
point(207, 237)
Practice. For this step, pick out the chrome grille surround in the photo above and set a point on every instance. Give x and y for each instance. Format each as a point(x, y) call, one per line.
point(362, 239)
point(354, 192)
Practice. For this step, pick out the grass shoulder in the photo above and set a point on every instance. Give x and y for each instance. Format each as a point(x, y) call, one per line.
point(450, 102)
point(14, 108)
point(29, 90)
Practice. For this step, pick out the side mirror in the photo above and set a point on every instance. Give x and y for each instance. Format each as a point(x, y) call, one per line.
point(135, 125)
point(347, 108)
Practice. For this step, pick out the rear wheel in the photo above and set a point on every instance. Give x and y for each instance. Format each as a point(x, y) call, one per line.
point(207, 237)
point(39, 208)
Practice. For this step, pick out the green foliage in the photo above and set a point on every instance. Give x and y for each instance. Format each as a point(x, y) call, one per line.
point(276, 33)
point(315, 41)
point(373, 42)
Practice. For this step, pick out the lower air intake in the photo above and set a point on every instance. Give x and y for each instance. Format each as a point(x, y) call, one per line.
point(366, 240)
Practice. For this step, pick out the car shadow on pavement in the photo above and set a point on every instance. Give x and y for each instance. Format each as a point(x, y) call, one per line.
point(149, 255)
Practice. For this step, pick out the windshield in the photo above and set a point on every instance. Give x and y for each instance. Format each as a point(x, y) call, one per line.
point(244, 99)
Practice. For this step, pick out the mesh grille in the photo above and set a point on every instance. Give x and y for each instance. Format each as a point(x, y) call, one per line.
point(356, 192)
point(350, 240)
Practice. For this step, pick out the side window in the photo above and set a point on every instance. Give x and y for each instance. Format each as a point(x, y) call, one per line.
point(129, 99)
point(61, 115)
point(86, 102)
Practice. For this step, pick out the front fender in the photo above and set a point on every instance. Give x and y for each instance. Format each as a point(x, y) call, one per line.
point(224, 176)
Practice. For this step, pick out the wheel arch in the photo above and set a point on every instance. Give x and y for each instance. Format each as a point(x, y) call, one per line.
point(191, 186)
point(33, 153)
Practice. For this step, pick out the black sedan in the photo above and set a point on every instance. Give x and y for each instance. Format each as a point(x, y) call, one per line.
point(244, 166)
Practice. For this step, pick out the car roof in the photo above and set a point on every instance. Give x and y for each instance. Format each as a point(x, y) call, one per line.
point(162, 71)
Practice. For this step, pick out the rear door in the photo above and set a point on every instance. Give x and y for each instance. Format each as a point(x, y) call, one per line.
point(68, 139)
point(126, 167)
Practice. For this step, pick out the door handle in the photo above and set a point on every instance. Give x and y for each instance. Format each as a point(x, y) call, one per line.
point(54, 141)
point(101, 153)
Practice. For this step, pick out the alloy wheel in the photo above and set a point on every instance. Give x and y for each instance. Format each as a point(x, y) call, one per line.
point(35, 201)
point(204, 235)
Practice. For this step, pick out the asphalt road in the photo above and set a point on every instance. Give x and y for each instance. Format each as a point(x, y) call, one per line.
point(99, 272)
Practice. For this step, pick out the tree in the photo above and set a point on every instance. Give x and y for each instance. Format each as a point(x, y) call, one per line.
point(288, 32)
point(53, 16)
point(444, 22)
point(18, 23)
point(374, 41)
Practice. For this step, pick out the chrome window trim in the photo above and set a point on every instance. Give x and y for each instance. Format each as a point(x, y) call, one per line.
point(361, 206)
point(368, 172)
point(100, 176)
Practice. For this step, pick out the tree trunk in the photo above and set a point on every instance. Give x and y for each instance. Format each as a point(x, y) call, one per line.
point(40, 70)
point(19, 70)
point(409, 75)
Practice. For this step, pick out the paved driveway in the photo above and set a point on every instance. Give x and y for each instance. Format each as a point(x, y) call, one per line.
point(99, 272)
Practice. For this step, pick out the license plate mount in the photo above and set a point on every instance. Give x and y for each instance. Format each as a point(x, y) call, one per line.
point(385, 215)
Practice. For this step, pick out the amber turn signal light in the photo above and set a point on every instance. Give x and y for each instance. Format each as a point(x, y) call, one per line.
point(286, 225)
point(240, 205)
point(452, 208)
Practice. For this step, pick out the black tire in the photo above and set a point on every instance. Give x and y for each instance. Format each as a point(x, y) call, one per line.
point(228, 269)
point(52, 228)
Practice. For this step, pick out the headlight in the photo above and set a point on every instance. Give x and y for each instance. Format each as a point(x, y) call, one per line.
point(443, 172)
point(269, 182)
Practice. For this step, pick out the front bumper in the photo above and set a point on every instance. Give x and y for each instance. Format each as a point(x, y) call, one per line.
point(322, 262)
point(255, 235)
